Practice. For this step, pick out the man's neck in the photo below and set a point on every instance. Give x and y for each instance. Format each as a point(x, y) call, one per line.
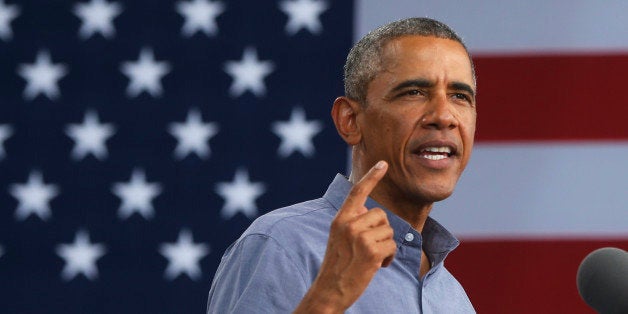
point(414, 213)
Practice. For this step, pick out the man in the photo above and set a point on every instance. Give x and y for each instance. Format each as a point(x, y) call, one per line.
point(368, 245)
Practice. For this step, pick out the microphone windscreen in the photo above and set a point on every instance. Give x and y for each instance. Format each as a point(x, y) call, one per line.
point(602, 280)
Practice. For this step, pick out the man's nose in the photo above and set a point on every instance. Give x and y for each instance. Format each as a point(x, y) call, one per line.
point(438, 114)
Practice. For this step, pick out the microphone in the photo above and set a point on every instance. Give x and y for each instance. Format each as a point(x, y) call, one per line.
point(603, 280)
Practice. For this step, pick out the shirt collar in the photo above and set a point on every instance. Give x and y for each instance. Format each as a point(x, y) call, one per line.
point(438, 241)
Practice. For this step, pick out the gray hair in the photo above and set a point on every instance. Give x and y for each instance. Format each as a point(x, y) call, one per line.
point(364, 59)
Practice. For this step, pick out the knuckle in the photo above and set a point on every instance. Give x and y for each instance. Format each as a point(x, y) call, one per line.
point(380, 216)
point(363, 238)
point(380, 213)
point(385, 218)
point(371, 253)
point(352, 229)
point(390, 232)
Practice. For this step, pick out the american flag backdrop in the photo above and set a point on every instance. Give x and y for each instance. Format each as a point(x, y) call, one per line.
point(138, 139)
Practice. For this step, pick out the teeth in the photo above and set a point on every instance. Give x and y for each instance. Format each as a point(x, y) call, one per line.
point(443, 149)
point(434, 157)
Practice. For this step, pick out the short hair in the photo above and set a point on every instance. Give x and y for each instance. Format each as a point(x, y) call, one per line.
point(364, 59)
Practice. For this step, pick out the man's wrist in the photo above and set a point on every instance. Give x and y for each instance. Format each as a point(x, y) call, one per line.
point(320, 301)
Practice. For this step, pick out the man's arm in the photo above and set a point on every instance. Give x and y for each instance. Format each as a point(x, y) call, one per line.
point(360, 242)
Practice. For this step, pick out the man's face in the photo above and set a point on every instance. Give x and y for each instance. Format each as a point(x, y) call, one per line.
point(420, 117)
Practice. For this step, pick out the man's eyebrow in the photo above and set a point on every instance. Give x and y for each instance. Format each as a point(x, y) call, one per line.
point(413, 83)
point(462, 86)
point(427, 84)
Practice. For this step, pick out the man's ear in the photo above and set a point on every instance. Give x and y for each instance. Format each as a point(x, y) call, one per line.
point(344, 112)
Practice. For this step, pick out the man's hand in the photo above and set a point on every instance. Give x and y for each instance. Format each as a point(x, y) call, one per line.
point(360, 242)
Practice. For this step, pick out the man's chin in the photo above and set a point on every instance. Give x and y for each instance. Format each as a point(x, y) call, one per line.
point(433, 193)
point(437, 197)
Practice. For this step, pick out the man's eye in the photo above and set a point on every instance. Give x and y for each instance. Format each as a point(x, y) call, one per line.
point(461, 96)
point(413, 92)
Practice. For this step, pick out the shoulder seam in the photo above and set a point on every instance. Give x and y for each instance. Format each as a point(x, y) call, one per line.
point(270, 228)
point(285, 252)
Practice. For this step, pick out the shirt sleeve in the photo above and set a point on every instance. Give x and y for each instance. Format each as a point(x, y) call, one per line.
point(256, 275)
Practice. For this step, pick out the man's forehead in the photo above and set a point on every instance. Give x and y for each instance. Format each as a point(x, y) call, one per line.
point(408, 43)
point(395, 50)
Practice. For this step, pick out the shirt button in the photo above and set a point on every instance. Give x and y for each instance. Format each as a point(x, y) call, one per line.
point(409, 237)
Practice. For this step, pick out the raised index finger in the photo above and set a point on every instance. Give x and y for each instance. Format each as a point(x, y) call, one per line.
point(361, 190)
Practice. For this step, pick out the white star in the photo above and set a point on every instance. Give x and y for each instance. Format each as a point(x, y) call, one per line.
point(303, 14)
point(296, 134)
point(248, 74)
point(192, 136)
point(5, 132)
point(80, 257)
point(145, 74)
point(33, 197)
point(136, 196)
point(42, 76)
point(200, 15)
point(90, 137)
point(7, 14)
point(240, 195)
point(97, 16)
point(183, 256)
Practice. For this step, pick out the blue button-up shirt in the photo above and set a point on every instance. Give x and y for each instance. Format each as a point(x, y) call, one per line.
point(272, 265)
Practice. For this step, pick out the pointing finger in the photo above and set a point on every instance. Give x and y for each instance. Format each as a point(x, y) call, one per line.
point(361, 190)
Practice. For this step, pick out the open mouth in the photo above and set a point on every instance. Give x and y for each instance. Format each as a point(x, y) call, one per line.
point(436, 152)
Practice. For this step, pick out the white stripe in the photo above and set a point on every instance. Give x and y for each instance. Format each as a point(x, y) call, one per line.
point(538, 190)
point(497, 26)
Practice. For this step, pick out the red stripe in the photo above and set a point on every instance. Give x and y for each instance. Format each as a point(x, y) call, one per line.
point(523, 276)
point(552, 98)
